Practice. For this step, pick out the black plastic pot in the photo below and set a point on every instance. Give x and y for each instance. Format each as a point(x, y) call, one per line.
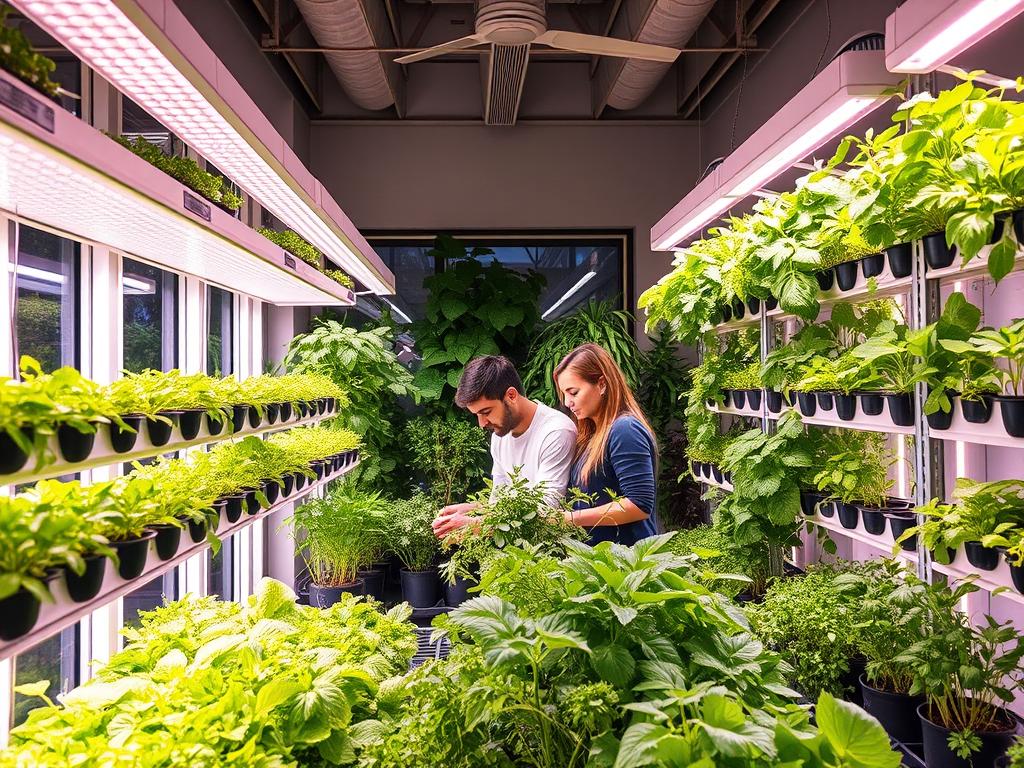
point(321, 405)
point(215, 425)
point(197, 530)
point(808, 501)
point(753, 304)
point(851, 680)
point(901, 409)
point(1011, 409)
point(286, 411)
point(168, 537)
point(160, 431)
point(806, 403)
point(739, 309)
point(846, 406)
point(123, 440)
point(12, 458)
point(846, 275)
point(273, 412)
point(1016, 574)
point(271, 490)
point(373, 582)
point(739, 398)
point(716, 473)
point(132, 554)
point(825, 401)
point(770, 303)
point(255, 419)
point(940, 419)
point(302, 407)
point(773, 399)
point(998, 226)
point(897, 712)
point(325, 597)
point(190, 422)
point(937, 753)
point(234, 505)
point(827, 508)
point(287, 485)
point(88, 585)
point(872, 266)
point(300, 481)
point(950, 554)
point(753, 399)
point(848, 515)
point(901, 259)
point(977, 411)
point(826, 278)
point(239, 415)
point(899, 523)
point(20, 612)
point(1018, 225)
point(726, 313)
point(938, 255)
point(871, 403)
point(252, 504)
point(420, 589)
point(318, 469)
point(981, 557)
point(873, 519)
point(458, 593)
point(75, 446)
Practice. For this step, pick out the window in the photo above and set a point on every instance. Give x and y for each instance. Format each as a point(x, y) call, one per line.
point(150, 310)
point(220, 569)
point(135, 121)
point(68, 74)
point(149, 596)
point(55, 659)
point(577, 268)
point(220, 306)
point(46, 276)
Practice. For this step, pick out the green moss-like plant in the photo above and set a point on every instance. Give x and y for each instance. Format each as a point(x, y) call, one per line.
point(18, 57)
point(340, 277)
point(216, 189)
point(294, 244)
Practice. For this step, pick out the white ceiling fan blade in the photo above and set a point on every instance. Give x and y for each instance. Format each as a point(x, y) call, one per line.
point(449, 47)
point(607, 46)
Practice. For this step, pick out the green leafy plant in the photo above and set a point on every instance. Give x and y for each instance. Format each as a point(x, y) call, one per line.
point(449, 452)
point(720, 559)
point(663, 381)
point(1015, 754)
point(340, 277)
point(472, 310)
point(598, 322)
point(408, 533)
point(294, 244)
point(214, 188)
point(1005, 345)
point(18, 56)
point(857, 471)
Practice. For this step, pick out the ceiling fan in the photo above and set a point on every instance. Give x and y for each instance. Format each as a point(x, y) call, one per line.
point(524, 22)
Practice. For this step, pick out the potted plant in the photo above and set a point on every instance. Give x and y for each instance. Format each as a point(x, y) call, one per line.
point(334, 541)
point(411, 538)
point(1007, 345)
point(857, 475)
point(745, 384)
point(123, 513)
point(968, 674)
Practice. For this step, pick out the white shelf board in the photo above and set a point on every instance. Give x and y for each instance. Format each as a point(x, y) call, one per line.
point(884, 543)
point(861, 422)
point(63, 612)
point(733, 411)
point(885, 285)
point(986, 580)
point(63, 174)
point(103, 453)
point(990, 433)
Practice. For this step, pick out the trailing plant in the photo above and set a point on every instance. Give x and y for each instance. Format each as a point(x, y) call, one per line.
point(214, 188)
point(408, 534)
point(472, 310)
point(747, 377)
point(449, 452)
point(294, 244)
point(19, 57)
point(598, 322)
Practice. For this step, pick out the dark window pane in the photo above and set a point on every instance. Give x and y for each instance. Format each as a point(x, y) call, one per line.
point(69, 75)
point(267, 219)
point(46, 311)
point(55, 659)
point(219, 341)
point(135, 121)
point(220, 570)
point(149, 596)
point(150, 310)
point(410, 264)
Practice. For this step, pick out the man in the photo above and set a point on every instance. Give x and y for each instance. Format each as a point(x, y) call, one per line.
point(525, 434)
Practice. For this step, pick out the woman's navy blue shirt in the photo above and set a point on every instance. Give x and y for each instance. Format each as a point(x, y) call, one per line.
point(627, 470)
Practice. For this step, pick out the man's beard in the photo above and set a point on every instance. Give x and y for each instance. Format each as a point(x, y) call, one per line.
point(507, 422)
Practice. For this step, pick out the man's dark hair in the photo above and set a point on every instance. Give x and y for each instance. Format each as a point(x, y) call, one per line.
point(487, 377)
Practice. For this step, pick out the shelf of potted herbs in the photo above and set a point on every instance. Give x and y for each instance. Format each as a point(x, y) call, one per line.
point(67, 548)
point(53, 424)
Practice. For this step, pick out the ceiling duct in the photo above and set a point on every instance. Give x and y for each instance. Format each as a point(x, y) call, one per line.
point(626, 84)
point(367, 79)
point(503, 83)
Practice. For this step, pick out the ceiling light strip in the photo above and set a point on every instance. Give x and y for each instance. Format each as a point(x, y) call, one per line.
point(152, 54)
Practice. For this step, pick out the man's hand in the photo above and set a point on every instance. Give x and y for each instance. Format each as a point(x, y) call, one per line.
point(453, 517)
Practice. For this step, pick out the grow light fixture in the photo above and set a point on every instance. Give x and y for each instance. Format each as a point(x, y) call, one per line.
point(151, 53)
point(855, 83)
point(922, 35)
point(565, 296)
point(397, 311)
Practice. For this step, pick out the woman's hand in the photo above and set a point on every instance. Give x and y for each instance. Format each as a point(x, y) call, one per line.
point(618, 512)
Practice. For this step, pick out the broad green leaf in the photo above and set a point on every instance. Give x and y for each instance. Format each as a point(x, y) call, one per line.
point(855, 736)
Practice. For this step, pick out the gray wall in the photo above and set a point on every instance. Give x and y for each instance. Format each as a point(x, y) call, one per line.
point(433, 177)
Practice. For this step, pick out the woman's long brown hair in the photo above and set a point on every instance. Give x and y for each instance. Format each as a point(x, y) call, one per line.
point(592, 363)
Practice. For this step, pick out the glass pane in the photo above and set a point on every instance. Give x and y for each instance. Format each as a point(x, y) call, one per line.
point(410, 264)
point(46, 311)
point(135, 121)
point(219, 571)
point(150, 304)
point(56, 660)
point(69, 75)
point(219, 341)
point(149, 596)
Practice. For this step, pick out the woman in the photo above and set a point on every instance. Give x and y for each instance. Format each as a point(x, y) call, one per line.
point(615, 449)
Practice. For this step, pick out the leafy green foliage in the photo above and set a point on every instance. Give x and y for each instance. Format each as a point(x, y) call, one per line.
point(209, 683)
point(1015, 754)
point(854, 466)
point(294, 244)
point(18, 57)
point(449, 452)
point(408, 533)
point(216, 189)
point(340, 277)
point(663, 385)
point(472, 310)
point(718, 554)
point(598, 322)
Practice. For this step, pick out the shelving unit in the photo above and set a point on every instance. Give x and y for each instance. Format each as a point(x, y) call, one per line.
point(63, 612)
point(103, 453)
point(883, 544)
point(990, 433)
point(861, 422)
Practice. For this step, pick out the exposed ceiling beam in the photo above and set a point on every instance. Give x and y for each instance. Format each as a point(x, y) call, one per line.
point(533, 51)
point(609, 23)
point(273, 21)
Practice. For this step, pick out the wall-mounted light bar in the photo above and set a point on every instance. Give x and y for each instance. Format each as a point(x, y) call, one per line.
point(150, 52)
point(855, 83)
point(923, 35)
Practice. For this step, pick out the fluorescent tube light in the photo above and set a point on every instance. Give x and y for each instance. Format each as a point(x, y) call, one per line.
point(398, 312)
point(136, 286)
point(565, 296)
point(108, 35)
point(855, 83)
point(43, 275)
point(922, 35)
